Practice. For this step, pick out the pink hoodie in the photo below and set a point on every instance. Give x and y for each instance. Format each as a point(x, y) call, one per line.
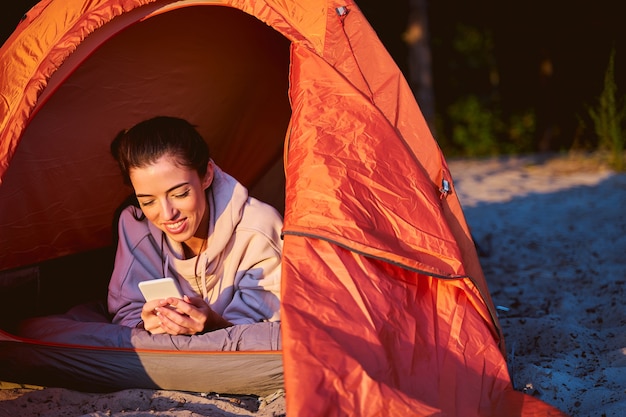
point(238, 274)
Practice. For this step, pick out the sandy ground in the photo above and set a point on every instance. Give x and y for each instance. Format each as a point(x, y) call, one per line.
point(552, 232)
point(552, 237)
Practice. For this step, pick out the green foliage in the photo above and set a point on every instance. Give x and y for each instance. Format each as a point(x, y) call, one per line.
point(608, 117)
point(478, 130)
point(473, 122)
point(474, 127)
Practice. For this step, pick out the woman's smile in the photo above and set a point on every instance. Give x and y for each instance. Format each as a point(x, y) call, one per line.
point(175, 227)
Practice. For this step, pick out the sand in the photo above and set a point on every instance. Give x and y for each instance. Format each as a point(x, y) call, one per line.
point(552, 237)
point(552, 233)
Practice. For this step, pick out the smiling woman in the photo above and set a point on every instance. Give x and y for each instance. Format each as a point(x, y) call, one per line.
point(196, 224)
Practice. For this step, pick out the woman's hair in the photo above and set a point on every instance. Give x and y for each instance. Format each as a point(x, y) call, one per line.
point(147, 141)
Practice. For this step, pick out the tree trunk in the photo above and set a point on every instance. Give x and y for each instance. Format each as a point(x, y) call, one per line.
point(420, 66)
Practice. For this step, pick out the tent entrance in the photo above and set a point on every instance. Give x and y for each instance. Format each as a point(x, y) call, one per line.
point(220, 68)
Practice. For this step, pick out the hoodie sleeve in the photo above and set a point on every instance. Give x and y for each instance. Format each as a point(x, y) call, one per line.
point(137, 259)
point(257, 285)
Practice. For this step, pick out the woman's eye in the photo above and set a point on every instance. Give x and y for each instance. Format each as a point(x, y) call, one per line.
point(146, 203)
point(182, 195)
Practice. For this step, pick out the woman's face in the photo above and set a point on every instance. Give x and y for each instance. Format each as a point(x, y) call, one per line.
point(173, 197)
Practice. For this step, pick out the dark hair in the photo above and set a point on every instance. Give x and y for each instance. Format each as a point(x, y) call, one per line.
point(147, 141)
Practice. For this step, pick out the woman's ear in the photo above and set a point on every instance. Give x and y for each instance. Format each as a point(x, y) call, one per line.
point(208, 177)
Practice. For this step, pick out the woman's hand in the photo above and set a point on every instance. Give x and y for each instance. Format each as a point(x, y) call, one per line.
point(151, 322)
point(175, 316)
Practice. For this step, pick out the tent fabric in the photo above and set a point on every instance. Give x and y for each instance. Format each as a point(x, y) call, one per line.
point(386, 310)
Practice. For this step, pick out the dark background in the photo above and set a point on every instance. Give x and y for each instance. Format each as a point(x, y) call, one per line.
point(575, 38)
point(10, 14)
point(512, 40)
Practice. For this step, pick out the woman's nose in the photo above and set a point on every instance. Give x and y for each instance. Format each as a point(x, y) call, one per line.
point(168, 210)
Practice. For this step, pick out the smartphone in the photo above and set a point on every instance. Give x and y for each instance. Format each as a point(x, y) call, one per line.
point(160, 288)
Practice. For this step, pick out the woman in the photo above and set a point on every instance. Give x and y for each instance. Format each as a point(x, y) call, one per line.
point(195, 223)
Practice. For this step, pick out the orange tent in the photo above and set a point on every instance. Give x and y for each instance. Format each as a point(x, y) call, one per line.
point(385, 307)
